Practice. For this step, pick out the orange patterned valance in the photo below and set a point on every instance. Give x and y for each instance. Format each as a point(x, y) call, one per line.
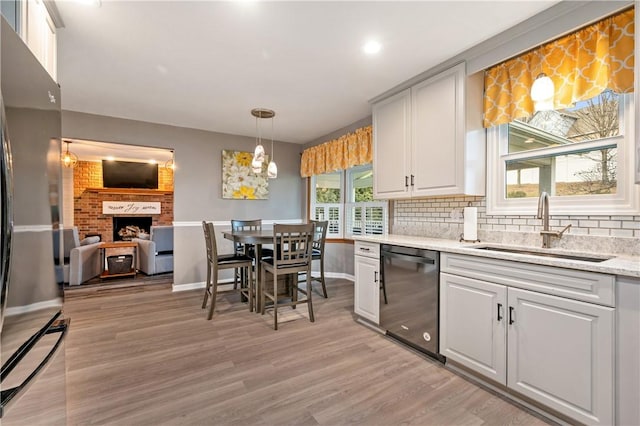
point(581, 65)
point(352, 149)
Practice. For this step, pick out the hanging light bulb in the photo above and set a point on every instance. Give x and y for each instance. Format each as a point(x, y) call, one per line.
point(259, 153)
point(69, 159)
point(272, 169)
point(542, 91)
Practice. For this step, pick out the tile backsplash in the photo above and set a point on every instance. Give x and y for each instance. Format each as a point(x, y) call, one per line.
point(441, 217)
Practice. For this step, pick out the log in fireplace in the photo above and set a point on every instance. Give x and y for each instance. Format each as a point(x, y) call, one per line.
point(127, 227)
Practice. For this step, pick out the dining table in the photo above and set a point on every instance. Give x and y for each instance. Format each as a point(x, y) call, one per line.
point(257, 238)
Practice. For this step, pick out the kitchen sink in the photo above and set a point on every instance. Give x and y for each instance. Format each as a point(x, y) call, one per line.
point(594, 258)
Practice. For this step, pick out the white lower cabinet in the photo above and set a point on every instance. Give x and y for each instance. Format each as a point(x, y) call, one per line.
point(472, 325)
point(560, 353)
point(367, 283)
point(554, 350)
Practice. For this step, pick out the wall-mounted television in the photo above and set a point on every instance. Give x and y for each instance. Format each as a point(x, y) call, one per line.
point(129, 174)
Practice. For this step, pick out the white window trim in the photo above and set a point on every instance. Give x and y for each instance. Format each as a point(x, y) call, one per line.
point(625, 201)
point(346, 206)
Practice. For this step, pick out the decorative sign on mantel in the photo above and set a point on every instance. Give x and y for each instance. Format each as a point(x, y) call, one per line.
point(130, 207)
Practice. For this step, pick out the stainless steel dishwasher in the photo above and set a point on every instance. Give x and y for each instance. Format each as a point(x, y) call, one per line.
point(409, 296)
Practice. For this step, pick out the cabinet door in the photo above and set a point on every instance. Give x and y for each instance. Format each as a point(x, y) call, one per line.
point(367, 288)
point(473, 324)
point(437, 124)
point(391, 138)
point(560, 353)
point(40, 34)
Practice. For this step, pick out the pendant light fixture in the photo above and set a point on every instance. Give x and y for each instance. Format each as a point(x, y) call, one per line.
point(69, 159)
point(259, 153)
point(272, 168)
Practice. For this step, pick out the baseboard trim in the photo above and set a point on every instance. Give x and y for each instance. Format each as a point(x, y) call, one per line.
point(17, 310)
point(226, 283)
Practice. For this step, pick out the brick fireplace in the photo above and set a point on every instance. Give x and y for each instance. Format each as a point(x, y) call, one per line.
point(89, 195)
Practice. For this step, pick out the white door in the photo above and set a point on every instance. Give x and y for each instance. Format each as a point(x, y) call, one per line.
point(391, 139)
point(437, 112)
point(560, 353)
point(473, 324)
point(367, 288)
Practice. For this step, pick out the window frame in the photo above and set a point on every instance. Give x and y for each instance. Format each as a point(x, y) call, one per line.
point(346, 206)
point(626, 200)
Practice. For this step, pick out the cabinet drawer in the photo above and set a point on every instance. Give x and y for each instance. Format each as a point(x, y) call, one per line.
point(578, 285)
point(365, 248)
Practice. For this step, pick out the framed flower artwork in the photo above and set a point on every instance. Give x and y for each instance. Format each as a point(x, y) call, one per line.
point(239, 182)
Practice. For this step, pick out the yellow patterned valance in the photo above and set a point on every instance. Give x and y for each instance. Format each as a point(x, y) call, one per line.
point(352, 149)
point(581, 65)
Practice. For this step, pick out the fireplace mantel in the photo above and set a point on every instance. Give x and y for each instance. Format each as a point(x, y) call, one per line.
point(128, 191)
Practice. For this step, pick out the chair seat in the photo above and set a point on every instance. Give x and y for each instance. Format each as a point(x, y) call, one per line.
point(225, 259)
point(269, 261)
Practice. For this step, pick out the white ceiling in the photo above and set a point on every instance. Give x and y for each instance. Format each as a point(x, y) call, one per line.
point(206, 64)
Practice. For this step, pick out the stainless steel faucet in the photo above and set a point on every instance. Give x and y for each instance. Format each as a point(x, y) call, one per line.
point(543, 213)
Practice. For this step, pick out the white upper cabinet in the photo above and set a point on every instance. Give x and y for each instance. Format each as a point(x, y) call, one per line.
point(392, 146)
point(429, 140)
point(39, 33)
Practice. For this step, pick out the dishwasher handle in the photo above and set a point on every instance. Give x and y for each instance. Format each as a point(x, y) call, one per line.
point(408, 257)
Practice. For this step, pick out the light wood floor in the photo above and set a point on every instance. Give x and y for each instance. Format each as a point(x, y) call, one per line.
point(144, 355)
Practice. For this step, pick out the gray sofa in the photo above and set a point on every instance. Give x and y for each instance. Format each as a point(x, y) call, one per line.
point(81, 259)
point(155, 255)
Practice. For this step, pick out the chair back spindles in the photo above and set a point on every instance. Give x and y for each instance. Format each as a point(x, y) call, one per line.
point(294, 243)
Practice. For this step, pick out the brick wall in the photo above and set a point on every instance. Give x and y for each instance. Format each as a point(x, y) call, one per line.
point(87, 204)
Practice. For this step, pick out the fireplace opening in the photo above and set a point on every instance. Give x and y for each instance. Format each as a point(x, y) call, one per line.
point(127, 227)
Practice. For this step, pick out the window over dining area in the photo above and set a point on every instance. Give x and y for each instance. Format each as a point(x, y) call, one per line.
point(345, 199)
point(577, 142)
point(341, 186)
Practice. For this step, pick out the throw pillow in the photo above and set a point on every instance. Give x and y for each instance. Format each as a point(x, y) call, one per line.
point(90, 240)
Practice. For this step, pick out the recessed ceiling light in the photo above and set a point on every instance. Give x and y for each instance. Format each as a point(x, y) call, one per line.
point(371, 47)
point(110, 158)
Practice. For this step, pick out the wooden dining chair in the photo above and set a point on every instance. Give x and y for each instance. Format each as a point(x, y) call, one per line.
point(317, 253)
point(293, 245)
point(216, 263)
point(247, 249)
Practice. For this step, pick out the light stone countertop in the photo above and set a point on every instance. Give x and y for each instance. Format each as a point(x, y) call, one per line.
point(618, 265)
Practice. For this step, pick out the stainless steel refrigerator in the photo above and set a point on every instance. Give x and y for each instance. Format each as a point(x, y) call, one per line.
point(33, 327)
